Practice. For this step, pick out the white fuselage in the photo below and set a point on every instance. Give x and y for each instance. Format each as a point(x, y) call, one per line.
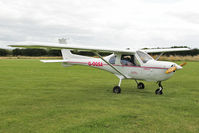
point(151, 71)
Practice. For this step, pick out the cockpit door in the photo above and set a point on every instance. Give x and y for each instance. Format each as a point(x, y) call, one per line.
point(129, 60)
point(143, 59)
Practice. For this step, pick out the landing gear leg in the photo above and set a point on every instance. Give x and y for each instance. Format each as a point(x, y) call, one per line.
point(117, 89)
point(159, 90)
point(140, 85)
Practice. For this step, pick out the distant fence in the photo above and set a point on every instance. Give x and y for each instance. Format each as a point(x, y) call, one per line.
point(46, 52)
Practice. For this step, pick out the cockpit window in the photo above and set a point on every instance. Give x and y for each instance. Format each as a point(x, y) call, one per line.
point(112, 60)
point(143, 56)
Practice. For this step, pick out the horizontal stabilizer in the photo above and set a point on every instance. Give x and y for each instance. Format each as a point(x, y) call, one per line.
point(53, 61)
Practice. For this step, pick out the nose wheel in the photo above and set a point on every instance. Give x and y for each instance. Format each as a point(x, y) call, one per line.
point(159, 90)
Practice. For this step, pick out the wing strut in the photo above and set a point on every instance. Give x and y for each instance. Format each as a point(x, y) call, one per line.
point(159, 56)
point(110, 64)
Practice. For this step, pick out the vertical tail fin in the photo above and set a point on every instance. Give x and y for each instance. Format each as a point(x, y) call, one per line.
point(65, 52)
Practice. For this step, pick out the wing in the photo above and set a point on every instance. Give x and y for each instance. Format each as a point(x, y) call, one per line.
point(89, 48)
point(165, 50)
point(69, 46)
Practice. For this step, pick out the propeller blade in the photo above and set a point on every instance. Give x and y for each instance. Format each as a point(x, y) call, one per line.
point(183, 64)
point(171, 69)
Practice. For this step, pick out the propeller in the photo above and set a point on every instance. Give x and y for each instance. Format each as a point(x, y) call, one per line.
point(173, 68)
point(183, 64)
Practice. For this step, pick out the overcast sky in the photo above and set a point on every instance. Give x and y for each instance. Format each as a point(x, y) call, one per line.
point(104, 23)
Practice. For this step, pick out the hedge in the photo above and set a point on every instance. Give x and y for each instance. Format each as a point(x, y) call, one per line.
point(45, 52)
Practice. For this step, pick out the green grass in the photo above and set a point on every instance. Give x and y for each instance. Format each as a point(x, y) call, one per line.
point(48, 98)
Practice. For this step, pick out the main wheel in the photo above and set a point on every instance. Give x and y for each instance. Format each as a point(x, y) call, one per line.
point(117, 90)
point(158, 92)
point(140, 85)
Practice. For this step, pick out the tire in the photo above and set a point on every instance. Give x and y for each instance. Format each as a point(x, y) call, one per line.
point(158, 92)
point(140, 85)
point(117, 90)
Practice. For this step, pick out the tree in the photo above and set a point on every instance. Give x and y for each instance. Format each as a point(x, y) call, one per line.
point(17, 52)
point(54, 52)
point(34, 52)
point(3, 52)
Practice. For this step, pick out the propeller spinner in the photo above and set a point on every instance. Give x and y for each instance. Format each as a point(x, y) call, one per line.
point(172, 69)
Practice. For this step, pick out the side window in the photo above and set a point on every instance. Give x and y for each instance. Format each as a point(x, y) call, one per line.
point(129, 60)
point(112, 60)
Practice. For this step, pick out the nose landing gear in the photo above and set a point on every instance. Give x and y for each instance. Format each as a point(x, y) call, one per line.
point(159, 90)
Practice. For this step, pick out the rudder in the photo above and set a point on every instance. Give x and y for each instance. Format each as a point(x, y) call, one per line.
point(66, 53)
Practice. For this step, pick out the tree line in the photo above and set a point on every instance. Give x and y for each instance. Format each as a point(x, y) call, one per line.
point(41, 52)
point(29, 52)
point(52, 52)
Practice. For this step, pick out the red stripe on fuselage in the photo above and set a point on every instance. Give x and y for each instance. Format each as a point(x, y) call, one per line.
point(120, 65)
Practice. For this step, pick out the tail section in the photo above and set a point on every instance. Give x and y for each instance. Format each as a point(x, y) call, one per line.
point(67, 56)
point(66, 53)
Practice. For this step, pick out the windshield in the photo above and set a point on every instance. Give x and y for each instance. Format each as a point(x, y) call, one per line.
point(143, 56)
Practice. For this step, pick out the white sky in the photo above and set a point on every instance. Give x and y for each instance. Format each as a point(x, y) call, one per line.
point(104, 23)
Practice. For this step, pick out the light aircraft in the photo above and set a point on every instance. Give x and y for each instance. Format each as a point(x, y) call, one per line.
point(125, 64)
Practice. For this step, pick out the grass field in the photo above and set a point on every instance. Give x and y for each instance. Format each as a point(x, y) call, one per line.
point(48, 98)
